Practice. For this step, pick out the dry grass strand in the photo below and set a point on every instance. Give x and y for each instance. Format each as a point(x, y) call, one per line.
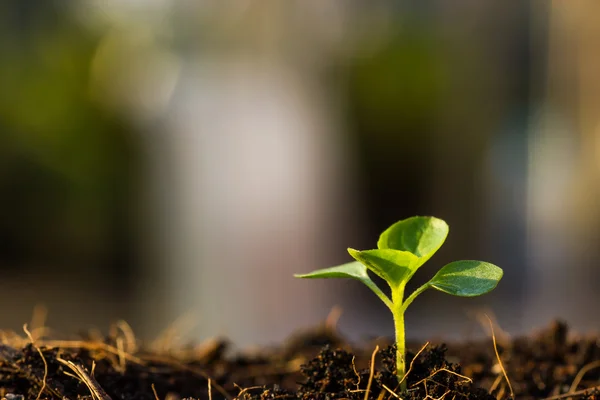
point(512, 393)
point(584, 370)
point(466, 378)
point(121, 329)
point(355, 372)
point(154, 391)
point(412, 362)
point(495, 383)
point(501, 392)
point(43, 359)
point(122, 362)
point(167, 339)
point(88, 380)
point(244, 390)
point(483, 316)
point(372, 372)
point(390, 391)
point(37, 324)
point(578, 393)
point(92, 346)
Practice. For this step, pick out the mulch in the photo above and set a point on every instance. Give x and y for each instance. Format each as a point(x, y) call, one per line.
point(317, 364)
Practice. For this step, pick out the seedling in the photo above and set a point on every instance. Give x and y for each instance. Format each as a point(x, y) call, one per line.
point(401, 250)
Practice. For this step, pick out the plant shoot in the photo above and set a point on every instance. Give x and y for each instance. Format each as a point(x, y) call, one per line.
point(401, 250)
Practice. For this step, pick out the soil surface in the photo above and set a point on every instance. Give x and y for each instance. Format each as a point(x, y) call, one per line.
point(318, 364)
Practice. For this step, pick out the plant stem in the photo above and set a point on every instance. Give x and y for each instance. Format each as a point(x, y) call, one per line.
point(398, 313)
point(380, 294)
point(398, 309)
point(400, 348)
point(413, 296)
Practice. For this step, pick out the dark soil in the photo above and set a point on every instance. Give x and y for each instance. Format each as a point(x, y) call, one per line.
point(318, 365)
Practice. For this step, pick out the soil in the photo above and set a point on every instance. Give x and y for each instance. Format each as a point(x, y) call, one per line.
point(317, 364)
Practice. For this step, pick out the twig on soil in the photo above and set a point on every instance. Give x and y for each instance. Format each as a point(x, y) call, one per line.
point(371, 373)
point(512, 393)
point(43, 359)
point(209, 390)
point(80, 373)
point(584, 370)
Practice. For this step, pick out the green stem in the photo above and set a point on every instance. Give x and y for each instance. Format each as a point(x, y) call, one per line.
point(380, 294)
point(414, 294)
point(398, 309)
point(400, 349)
point(398, 313)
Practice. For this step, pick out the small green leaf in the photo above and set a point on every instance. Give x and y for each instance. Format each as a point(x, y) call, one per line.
point(353, 270)
point(467, 278)
point(421, 236)
point(393, 266)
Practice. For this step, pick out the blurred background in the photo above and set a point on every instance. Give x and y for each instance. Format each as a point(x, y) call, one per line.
point(162, 159)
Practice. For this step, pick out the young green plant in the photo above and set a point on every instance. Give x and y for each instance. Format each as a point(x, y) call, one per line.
point(401, 250)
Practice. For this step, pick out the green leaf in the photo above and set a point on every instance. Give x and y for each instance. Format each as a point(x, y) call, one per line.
point(353, 270)
point(467, 278)
point(393, 266)
point(421, 236)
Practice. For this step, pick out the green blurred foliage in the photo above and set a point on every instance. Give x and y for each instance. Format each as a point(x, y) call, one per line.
point(400, 83)
point(66, 164)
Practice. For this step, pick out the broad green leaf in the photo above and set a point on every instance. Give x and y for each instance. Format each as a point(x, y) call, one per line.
point(354, 270)
point(421, 236)
point(393, 266)
point(467, 278)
